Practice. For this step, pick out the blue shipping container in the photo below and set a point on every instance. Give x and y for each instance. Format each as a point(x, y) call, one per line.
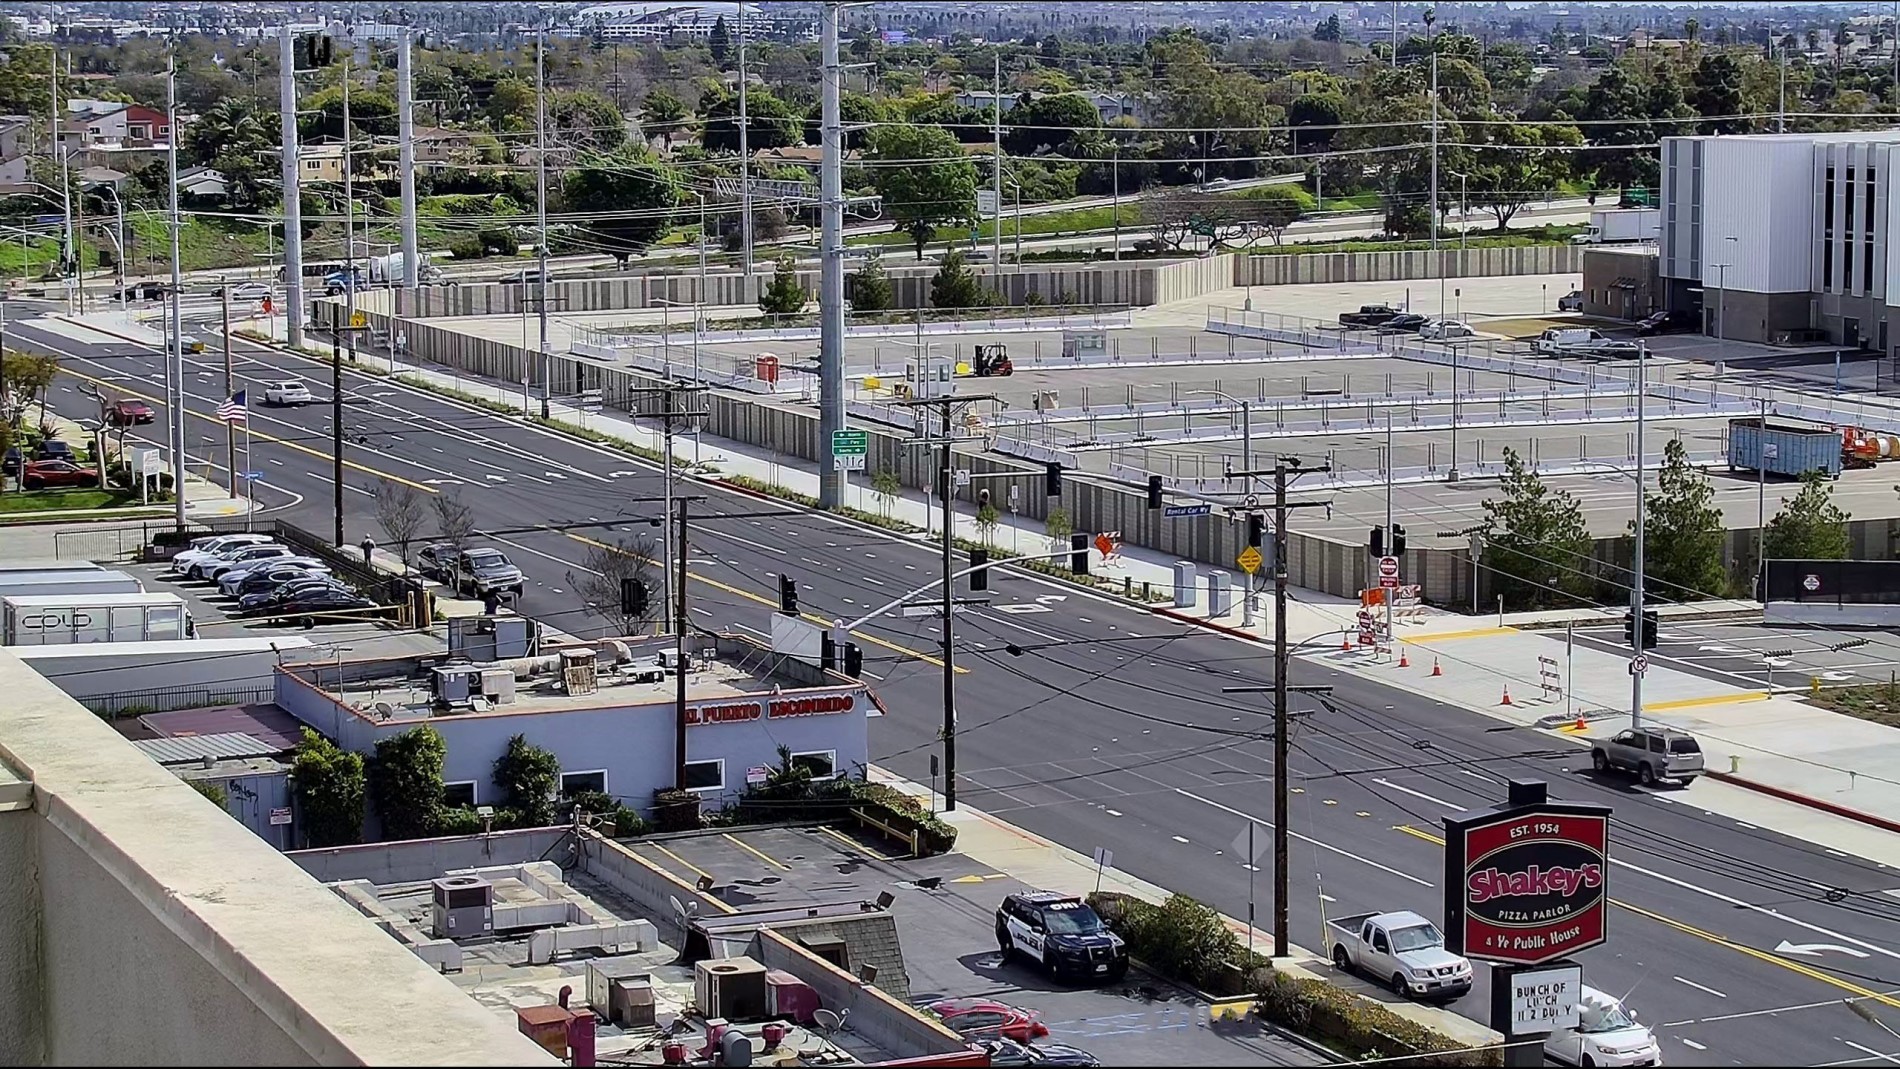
point(1789, 450)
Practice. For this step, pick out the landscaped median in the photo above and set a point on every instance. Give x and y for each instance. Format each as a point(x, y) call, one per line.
point(65, 506)
point(1186, 941)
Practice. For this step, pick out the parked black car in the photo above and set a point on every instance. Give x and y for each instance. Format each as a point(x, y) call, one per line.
point(10, 465)
point(438, 561)
point(54, 449)
point(259, 603)
point(311, 601)
point(1407, 322)
point(1010, 1052)
point(1677, 321)
point(1369, 315)
point(265, 582)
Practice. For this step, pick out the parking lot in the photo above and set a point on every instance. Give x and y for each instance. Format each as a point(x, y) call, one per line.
point(212, 613)
point(1756, 655)
point(945, 909)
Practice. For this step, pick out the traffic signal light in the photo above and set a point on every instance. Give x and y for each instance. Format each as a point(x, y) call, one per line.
point(1052, 479)
point(980, 560)
point(1375, 542)
point(853, 660)
point(788, 595)
point(1649, 629)
point(1256, 529)
point(1398, 540)
point(1154, 492)
point(1079, 553)
point(634, 597)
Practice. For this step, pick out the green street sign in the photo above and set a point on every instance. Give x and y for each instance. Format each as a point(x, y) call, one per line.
point(850, 443)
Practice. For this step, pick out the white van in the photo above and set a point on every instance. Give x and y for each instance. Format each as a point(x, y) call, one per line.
point(1606, 1034)
point(1557, 340)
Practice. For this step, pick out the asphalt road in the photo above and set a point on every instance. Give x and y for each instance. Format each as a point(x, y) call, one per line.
point(1755, 655)
point(1109, 728)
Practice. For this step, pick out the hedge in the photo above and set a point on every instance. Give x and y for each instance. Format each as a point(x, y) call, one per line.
point(1189, 942)
point(833, 799)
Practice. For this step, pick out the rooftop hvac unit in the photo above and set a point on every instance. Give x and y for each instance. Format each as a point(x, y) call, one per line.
point(457, 683)
point(789, 997)
point(464, 907)
point(621, 989)
point(733, 988)
point(498, 685)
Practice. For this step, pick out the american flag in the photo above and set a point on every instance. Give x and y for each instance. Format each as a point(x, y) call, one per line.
point(233, 410)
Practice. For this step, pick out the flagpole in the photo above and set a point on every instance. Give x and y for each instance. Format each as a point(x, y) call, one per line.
point(250, 485)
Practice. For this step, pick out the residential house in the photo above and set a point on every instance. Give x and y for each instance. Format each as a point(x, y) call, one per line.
point(320, 163)
point(440, 145)
point(202, 182)
point(13, 155)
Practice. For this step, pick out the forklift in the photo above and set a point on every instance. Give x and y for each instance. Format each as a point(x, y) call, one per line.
point(988, 360)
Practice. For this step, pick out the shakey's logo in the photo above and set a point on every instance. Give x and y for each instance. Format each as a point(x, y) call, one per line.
point(1487, 884)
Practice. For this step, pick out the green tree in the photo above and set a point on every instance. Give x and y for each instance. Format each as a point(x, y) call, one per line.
point(330, 787)
point(885, 486)
point(24, 88)
point(784, 296)
point(955, 285)
point(770, 121)
point(1536, 547)
point(631, 193)
point(1683, 534)
point(719, 42)
point(1272, 209)
point(986, 520)
point(1046, 122)
point(528, 777)
point(1329, 30)
point(585, 120)
point(661, 110)
point(870, 286)
point(1324, 110)
point(407, 782)
point(228, 128)
point(1717, 94)
point(510, 104)
point(1811, 527)
point(1519, 170)
point(213, 792)
point(924, 178)
point(1058, 527)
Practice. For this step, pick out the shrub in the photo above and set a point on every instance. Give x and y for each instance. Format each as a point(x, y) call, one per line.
point(784, 296)
point(503, 241)
point(625, 822)
point(954, 285)
point(1181, 939)
point(407, 780)
point(213, 792)
point(1359, 1027)
point(467, 249)
point(330, 788)
point(870, 286)
point(528, 776)
point(676, 810)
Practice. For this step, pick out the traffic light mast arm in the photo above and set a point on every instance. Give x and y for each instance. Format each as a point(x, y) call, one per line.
point(934, 583)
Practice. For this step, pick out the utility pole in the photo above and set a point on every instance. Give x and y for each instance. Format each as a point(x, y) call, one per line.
point(406, 162)
point(1115, 180)
point(175, 360)
point(1284, 471)
point(996, 207)
point(679, 651)
point(831, 262)
point(65, 175)
point(1438, 265)
point(336, 425)
point(946, 476)
point(1636, 587)
point(349, 219)
point(230, 426)
point(541, 202)
point(745, 175)
point(293, 191)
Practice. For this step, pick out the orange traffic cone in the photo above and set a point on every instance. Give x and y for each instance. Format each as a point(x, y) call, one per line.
point(1437, 671)
point(1345, 642)
point(1580, 725)
point(1404, 662)
point(1507, 696)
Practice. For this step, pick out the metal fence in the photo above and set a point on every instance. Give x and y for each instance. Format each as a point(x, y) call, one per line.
point(165, 699)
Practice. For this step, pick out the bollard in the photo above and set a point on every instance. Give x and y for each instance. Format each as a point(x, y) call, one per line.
point(1734, 764)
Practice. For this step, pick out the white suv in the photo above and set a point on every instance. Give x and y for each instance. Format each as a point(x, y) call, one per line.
point(1446, 330)
point(288, 392)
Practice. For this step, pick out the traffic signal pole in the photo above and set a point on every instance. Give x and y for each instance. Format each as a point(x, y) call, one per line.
point(1636, 585)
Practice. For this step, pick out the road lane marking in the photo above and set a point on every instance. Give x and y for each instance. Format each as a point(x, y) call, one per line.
point(762, 600)
point(1692, 1044)
point(742, 541)
point(1870, 1052)
point(1740, 948)
point(1699, 987)
point(1420, 794)
point(262, 435)
point(1302, 838)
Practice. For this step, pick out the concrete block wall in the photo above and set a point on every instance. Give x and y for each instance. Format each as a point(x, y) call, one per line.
point(647, 886)
point(880, 1018)
point(416, 860)
point(1393, 266)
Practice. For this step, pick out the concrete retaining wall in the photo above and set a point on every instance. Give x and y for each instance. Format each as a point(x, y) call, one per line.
point(1393, 266)
point(416, 860)
point(875, 1015)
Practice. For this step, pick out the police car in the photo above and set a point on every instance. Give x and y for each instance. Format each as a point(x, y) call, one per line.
point(1062, 934)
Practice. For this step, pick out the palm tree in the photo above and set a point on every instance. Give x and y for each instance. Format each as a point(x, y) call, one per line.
point(228, 127)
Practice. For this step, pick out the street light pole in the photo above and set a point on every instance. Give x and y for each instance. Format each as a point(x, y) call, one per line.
point(1637, 628)
point(175, 361)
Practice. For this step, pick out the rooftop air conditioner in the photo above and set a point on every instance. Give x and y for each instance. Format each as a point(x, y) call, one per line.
point(464, 907)
point(456, 684)
point(733, 988)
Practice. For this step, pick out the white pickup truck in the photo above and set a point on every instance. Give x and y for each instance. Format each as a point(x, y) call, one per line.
point(1402, 949)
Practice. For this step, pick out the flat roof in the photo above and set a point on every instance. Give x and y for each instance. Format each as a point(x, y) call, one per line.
point(413, 698)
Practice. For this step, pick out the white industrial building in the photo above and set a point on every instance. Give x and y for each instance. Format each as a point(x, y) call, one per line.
point(1782, 238)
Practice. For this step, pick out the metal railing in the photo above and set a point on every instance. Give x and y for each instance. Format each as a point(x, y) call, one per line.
point(165, 699)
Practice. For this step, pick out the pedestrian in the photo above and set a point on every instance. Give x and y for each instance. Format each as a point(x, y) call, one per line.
point(402, 342)
point(369, 549)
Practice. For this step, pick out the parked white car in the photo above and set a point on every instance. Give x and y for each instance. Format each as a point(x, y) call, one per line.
point(288, 392)
point(1571, 302)
point(1606, 1034)
point(237, 557)
point(231, 579)
point(211, 547)
point(249, 291)
point(1446, 330)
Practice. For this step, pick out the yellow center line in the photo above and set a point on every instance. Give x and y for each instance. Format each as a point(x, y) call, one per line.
point(762, 600)
point(318, 453)
point(695, 868)
point(1688, 929)
point(760, 854)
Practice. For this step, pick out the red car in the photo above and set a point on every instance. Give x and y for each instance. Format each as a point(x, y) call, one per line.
point(982, 1018)
point(41, 474)
point(126, 412)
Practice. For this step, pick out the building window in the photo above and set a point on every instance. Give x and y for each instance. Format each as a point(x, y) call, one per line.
point(706, 775)
point(823, 764)
point(1847, 233)
point(458, 795)
point(572, 783)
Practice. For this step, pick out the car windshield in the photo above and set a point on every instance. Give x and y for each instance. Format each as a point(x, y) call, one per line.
point(1682, 745)
point(1071, 919)
point(1421, 937)
point(1610, 1018)
point(486, 562)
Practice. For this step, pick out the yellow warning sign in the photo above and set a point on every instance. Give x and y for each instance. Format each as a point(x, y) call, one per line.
point(1250, 560)
point(358, 319)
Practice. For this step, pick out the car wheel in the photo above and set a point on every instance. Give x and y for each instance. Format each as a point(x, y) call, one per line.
point(1003, 944)
point(1398, 984)
point(1599, 760)
point(1646, 774)
point(1116, 974)
point(1340, 960)
point(1588, 1062)
point(35, 484)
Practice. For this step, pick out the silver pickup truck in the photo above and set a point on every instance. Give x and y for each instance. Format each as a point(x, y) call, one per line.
point(1402, 949)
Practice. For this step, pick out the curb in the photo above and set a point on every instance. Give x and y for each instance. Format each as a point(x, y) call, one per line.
point(1833, 808)
point(1175, 614)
